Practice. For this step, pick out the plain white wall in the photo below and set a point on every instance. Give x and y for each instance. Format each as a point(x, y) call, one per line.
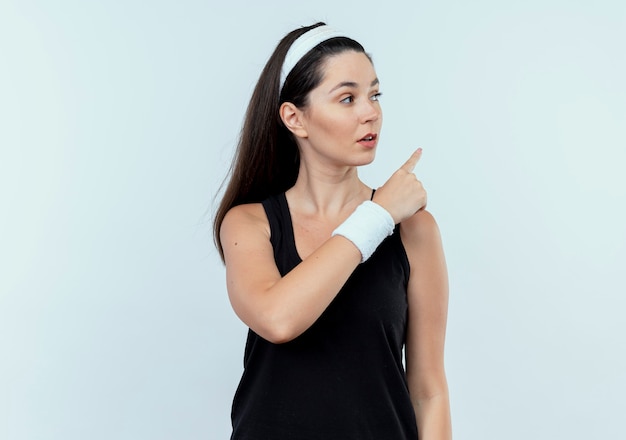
point(118, 120)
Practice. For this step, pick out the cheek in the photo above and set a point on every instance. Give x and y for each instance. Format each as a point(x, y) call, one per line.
point(331, 126)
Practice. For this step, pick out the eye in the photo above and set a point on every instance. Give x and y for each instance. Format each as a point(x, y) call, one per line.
point(347, 99)
point(376, 96)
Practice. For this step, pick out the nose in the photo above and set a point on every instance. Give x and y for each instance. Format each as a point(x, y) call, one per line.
point(370, 111)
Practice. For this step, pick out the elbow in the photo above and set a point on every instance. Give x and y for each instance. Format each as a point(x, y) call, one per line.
point(428, 387)
point(280, 329)
point(278, 339)
point(279, 333)
point(271, 323)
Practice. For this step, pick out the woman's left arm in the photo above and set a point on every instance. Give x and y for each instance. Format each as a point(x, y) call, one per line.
point(428, 309)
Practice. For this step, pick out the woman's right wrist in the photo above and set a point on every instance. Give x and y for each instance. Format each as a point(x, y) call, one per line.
point(367, 227)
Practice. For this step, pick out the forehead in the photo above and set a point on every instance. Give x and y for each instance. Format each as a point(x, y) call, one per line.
point(348, 66)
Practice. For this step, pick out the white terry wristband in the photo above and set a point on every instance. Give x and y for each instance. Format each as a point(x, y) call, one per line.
point(367, 227)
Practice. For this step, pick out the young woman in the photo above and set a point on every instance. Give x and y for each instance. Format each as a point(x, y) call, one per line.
point(332, 277)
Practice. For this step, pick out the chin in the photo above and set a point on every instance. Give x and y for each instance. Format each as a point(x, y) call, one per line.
point(367, 158)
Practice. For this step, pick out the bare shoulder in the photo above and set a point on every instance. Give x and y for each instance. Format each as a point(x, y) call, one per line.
point(247, 220)
point(246, 213)
point(421, 227)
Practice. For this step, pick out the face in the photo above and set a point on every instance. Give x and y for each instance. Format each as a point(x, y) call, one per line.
point(343, 118)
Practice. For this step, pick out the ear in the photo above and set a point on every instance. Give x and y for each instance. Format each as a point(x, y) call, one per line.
point(293, 119)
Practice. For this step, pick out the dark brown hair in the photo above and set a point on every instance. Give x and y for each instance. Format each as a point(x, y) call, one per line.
point(267, 160)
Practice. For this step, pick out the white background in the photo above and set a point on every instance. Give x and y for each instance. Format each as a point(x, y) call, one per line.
point(117, 124)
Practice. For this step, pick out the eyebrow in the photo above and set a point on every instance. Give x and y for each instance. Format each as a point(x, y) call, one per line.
point(351, 84)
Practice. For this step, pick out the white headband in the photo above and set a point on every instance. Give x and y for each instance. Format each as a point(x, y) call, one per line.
point(302, 45)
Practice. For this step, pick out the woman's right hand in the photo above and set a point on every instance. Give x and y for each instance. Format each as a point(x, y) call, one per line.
point(402, 195)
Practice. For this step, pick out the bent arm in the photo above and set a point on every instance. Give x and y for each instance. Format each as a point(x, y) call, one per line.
point(428, 309)
point(279, 308)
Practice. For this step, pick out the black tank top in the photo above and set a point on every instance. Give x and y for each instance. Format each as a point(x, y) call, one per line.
point(343, 378)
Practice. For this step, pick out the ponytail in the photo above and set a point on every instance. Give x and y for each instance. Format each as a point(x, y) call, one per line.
point(267, 159)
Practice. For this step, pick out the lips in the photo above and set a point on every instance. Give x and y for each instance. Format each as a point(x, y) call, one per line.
point(368, 137)
point(368, 141)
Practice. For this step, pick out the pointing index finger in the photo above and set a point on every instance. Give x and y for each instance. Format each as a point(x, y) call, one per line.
point(409, 165)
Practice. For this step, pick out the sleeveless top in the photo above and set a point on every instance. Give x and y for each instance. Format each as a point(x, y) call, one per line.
point(343, 378)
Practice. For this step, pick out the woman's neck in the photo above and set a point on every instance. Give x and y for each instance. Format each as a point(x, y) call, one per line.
point(327, 192)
